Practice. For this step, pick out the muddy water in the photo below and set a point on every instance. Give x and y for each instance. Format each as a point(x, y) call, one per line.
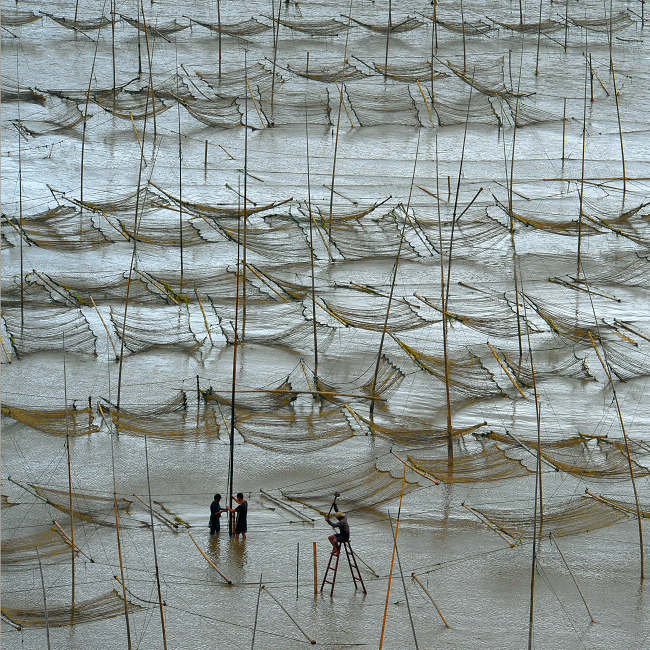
point(481, 584)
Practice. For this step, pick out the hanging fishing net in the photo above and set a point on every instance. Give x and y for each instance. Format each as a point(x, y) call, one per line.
point(488, 464)
point(43, 329)
point(142, 201)
point(57, 422)
point(11, 91)
point(627, 361)
point(295, 433)
point(161, 29)
point(362, 487)
point(287, 107)
point(242, 28)
point(624, 269)
point(87, 25)
point(389, 105)
point(218, 112)
point(16, 18)
point(573, 517)
point(406, 25)
point(467, 27)
point(257, 400)
point(145, 328)
point(131, 104)
point(487, 78)
point(524, 114)
point(419, 70)
point(545, 26)
point(329, 73)
point(85, 611)
point(61, 228)
point(57, 116)
point(624, 506)
point(87, 507)
point(236, 83)
point(520, 367)
point(20, 552)
point(161, 229)
point(323, 27)
point(615, 23)
point(632, 223)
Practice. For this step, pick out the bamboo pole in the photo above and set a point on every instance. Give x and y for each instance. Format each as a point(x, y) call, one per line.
point(58, 528)
point(503, 367)
point(172, 526)
point(620, 129)
point(401, 573)
point(155, 554)
point(392, 286)
point(582, 173)
point(180, 179)
point(219, 23)
point(276, 43)
point(205, 319)
point(566, 25)
point(388, 31)
point(539, 35)
point(575, 582)
point(67, 447)
point(315, 562)
point(490, 525)
point(257, 609)
point(244, 265)
point(113, 46)
point(209, 561)
point(153, 97)
point(392, 562)
point(47, 619)
point(426, 591)
point(462, 22)
point(563, 128)
point(291, 618)
point(108, 334)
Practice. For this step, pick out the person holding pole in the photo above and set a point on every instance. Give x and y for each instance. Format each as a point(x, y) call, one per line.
point(241, 523)
point(215, 514)
point(343, 534)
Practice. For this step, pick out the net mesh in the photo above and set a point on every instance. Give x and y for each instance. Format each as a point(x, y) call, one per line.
point(88, 25)
point(56, 422)
point(615, 23)
point(17, 18)
point(249, 27)
point(406, 25)
point(20, 552)
point(322, 27)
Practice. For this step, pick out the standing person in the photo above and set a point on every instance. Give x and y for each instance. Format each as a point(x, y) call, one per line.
point(241, 525)
point(344, 530)
point(215, 514)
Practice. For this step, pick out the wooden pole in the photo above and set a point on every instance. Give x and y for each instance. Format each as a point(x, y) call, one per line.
point(219, 25)
point(539, 35)
point(297, 566)
point(257, 609)
point(563, 129)
point(205, 157)
point(462, 22)
point(392, 562)
point(388, 31)
point(209, 561)
point(591, 79)
point(20, 211)
point(245, 266)
point(113, 45)
point(155, 553)
point(566, 24)
point(180, 178)
point(426, 591)
point(47, 620)
point(67, 447)
point(582, 173)
point(276, 43)
point(620, 129)
point(149, 55)
point(291, 618)
point(315, 560)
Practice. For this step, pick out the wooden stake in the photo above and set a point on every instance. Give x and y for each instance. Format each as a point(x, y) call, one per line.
point(315, 560)
point(539, 35)
point(245, 266)
point(582, 173)
point(503, 367)
point(209, 561)
point(219, 24)
point(388, 31)
point(276, 43)
point(180, 178)
point(620, 130)
point(591, 79)
point(462, 22)
point(426, 591)
point(297, 566)
point(205, 157)
point(563, 129)
point(291, 618)
point(47, 620)
point(257, 609)
point(67, 447)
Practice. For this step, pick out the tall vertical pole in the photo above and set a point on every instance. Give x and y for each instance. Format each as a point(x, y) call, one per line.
point(243, 324)
point(582, 173)
point(388, 31)
point(219, 22)
point(180, 178)
point(315, 560)
point(47, 620)
point(20, 210)
point(67, 447)
point(620, 130)
point(539, 36)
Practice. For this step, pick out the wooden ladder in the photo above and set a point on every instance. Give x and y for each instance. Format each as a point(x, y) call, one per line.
point(333, 567)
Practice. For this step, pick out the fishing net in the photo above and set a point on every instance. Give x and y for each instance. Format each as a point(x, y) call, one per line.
point(131, 104)
point(409, 72)
point(468, 377)
point(624, 506)
point(5, 503)
point(56, 117)
point(160, 29)
point(571, 366)
point(146, 328)
point(407, 430)
point(16, 18)
point(489, 464)
point(76, 422)
point(295, 433)
point(11, 91)
point(486, 78)
point(322, 212)
point(362, 487)
point(61, 228)
point(249, 27)
point(330, 73)
point(143, 201)
point(232, 83)
point(43, 329)
point(619, 271)
point(93, 509)
point(326, 27)
point(370, 314)
point(292, 107)
point(388, 105)
point(280, 287)
point(173, 88)
point(545, 26)
point(524, 114)
point(582, 457)
point(20, 553)
point(219, 112)
point(374, 238)
point(168, 422)
point(636, 446)
point(631, 224)
point(406, 25)
point(615, 23)
point(96, 609)
point(468, 28)
point(257, 400)
point(581, 515)
point(80, 25)
point(451, 109)
point(284, 242)
point(160, 231)
point(627, 361)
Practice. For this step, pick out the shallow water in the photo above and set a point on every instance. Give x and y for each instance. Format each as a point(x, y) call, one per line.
point(481, 584)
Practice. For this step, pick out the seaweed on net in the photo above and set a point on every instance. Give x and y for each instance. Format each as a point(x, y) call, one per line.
point(62, 228)
point(43, 329)
point(391, 105)
point(318, 27)
point(294, 432)
point(580, 515)
point(405, 25)
point(468, 377)
point(72, 421)
point(489, 464)
point(362, 487)
point(86, 507)
point(242, 28)
point(100, 608)
point(147, 328)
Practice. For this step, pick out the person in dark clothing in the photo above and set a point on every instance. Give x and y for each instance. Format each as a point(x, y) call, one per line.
point(344, 530)
point(241, 524)
point(215, 514)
